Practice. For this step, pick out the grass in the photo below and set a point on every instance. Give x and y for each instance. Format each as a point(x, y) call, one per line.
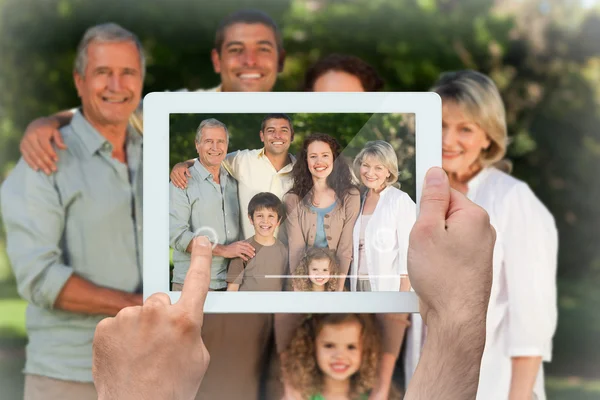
point(572, 389)
point(12, 342)
point(12, 319)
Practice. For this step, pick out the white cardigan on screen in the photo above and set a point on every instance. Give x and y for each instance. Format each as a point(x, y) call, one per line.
point(386, 240)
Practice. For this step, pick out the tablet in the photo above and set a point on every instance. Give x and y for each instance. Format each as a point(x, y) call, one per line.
point(275, 155)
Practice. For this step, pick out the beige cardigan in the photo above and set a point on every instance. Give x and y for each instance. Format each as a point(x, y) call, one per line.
point(301, 227)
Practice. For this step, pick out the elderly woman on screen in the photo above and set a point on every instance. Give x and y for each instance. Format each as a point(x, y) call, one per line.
point(387, 214)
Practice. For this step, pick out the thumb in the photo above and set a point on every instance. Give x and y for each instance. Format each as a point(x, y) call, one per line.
point(435, 199)
point(59, 140)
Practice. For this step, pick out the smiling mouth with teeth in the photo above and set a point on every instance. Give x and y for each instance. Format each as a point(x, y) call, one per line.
point(447, 153)
point(250, 76)
point(114, 101)
point(339, 367)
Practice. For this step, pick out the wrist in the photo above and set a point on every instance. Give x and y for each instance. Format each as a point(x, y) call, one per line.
point(460, 337)
point(46, 121)
point(218, 250)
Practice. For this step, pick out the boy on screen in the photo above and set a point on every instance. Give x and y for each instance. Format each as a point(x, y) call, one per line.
point(264, 271)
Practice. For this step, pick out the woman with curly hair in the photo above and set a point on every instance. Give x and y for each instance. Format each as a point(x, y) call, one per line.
point(316, 272)
point(333, 355)
point(323, 203)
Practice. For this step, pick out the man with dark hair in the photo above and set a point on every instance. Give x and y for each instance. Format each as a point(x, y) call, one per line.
point(342, 73)
point(248, 52)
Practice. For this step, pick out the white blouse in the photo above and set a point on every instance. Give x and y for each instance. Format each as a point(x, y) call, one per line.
point(522, 312)
point(386, 251)
point(386, 241)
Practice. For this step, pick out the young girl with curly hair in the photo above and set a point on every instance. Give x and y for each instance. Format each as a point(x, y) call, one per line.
point(334, 355)
point(316, 272)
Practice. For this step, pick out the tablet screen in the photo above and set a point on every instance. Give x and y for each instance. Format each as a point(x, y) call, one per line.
point(301, 207)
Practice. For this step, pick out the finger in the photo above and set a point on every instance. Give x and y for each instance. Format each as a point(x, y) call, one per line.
point(158, 300)
point(248, 249)
point(180, 182)
point(195, 285)
point(49, 153)
point(184, 177)
point(435, 199)
point(58, 139)
point(27, 157)
point(457, 202)
point(41, 160)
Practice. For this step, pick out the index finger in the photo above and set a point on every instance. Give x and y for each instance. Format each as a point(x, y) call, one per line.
point(48, 150)
point(197, 280)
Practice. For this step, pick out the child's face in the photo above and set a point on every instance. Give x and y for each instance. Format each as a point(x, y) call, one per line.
point(339, 350)
point(319, 271)
point(265, 221)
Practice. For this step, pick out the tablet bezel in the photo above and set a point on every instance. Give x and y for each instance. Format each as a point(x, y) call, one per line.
point(427, 108)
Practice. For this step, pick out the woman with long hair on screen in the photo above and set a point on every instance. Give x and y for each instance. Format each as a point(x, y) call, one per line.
point(522, 311)
point(322, 204)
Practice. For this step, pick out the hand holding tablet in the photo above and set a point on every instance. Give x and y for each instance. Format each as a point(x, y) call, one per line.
point(450, 265)
point(156, 350)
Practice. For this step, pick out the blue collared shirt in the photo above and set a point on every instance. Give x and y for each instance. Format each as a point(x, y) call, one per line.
point(207, 208)
point(84, 219)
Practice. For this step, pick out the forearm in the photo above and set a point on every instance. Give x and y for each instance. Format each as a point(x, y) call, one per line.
point(233, 287)
point(63, 117)
point(57, 120)
point(450, 362)
point(81, 296)
point(219, 250)
point(387, 363)
point(404, 283)
point(393, 328)
point(524, 374)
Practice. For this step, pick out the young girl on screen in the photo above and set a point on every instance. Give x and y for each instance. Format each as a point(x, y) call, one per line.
point(333, 355)
point(316, 272)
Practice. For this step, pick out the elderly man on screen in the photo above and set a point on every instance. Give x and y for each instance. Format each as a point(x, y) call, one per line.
point(74, 238)
point(208, 205)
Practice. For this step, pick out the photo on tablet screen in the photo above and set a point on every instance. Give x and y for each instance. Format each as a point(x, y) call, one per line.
point(294, 201)
point(298, 205)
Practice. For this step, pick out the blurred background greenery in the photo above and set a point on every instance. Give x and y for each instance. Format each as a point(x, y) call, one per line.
point(543, 54)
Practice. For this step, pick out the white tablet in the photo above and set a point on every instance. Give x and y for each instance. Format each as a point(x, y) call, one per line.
point(363, 272)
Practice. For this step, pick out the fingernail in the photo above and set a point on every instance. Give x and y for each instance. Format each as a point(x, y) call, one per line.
point(202, 241)
point(435, 177)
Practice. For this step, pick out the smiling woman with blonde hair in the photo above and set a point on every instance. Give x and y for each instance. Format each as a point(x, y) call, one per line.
point(522, 311)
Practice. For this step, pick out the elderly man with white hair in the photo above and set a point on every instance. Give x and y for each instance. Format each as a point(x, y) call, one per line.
point(74, 238)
